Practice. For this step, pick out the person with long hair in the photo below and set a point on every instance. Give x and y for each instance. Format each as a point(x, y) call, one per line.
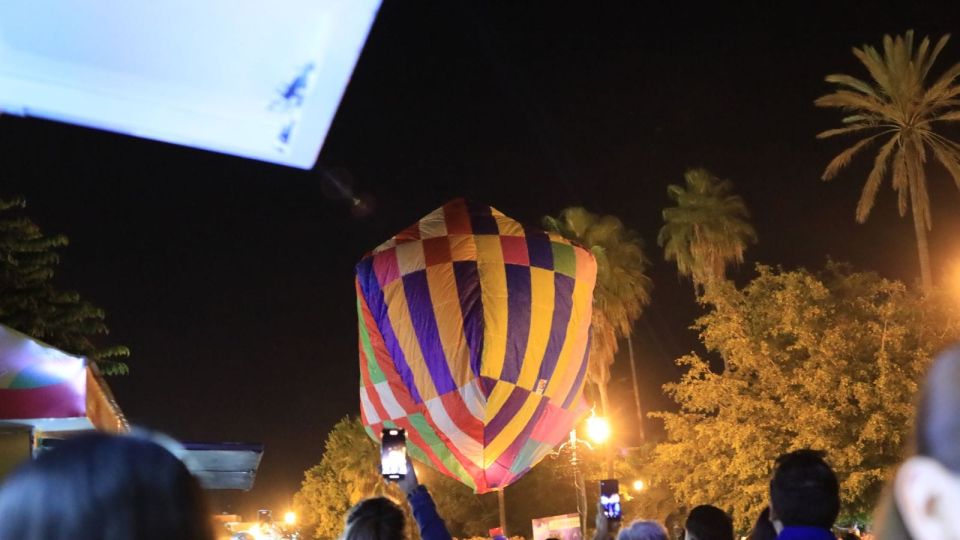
point(923, 502)
point(103, 487)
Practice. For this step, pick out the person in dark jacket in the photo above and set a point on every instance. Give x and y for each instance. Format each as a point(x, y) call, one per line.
point(804, 496)
point(379, 518)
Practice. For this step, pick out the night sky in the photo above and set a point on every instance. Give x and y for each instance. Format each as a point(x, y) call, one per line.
point(231, 280)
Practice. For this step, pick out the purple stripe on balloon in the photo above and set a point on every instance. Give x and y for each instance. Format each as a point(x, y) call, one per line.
point(481, 219)
point(471, 309)
point(487, 385)
point(562, 305)
point(539, 250)
point(518, 320)
point(372, 293)
point(506, 413)
point(424, 324)
point(510, 454)
point(581, 373)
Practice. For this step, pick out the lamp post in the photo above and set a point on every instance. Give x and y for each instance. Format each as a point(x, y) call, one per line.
point(598, 431)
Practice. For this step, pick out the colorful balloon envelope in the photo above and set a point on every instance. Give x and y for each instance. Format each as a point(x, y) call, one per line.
point(474, 336)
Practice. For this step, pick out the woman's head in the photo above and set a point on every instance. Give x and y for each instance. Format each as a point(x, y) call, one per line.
point(378, 518)
point(103, 487)
point(643, 530)
point(927, 485)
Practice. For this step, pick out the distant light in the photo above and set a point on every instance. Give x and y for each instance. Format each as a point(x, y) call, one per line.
point(598, 429)
point(290, 518)
point(638, 485)
point(953, 277)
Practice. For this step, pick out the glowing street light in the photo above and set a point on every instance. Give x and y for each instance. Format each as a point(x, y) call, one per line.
point(953, 277)
point(598, 429)
point(290, 518)
point(638, 485)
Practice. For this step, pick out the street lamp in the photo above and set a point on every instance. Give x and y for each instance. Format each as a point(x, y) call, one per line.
point(638, 485)
point(598, 431)
point(290, 518)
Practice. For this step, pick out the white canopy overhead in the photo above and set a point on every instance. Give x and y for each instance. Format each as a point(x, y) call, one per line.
point(254, 79)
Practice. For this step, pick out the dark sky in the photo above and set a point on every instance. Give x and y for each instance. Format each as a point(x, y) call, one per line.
point(231, 280)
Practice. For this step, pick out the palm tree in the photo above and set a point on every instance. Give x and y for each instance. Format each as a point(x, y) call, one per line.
point(707, 229)
point(900, 110)
point(621, 292)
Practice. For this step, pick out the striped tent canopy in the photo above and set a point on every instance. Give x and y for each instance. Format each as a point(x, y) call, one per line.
point(474, 336)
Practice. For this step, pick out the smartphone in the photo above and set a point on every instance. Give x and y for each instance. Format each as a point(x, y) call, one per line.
point(393, 453)
point(610, 498)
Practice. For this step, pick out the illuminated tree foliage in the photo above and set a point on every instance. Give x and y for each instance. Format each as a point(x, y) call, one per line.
point(30, 303)
point(622, 288)
point(826, 360)
point(899, 110)
point(346, 474)
point(707, 230)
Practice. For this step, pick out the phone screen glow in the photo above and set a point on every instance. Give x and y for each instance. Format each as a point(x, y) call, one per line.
point(393, 454)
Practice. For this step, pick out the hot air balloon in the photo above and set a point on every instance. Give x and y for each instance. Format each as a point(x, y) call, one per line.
point(474, 336)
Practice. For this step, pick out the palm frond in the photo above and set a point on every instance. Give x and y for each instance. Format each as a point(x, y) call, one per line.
point(869, 194)
point(866, 118)
point(921, 55)
point(844, 130)
point(851, 82)
point(869, 57)
point(925, 68)
point(847, 100)
point(843, 158)
point(900, 180)
point(951, 116)
point(949, 158)
point(919, 196)
point(938, 89)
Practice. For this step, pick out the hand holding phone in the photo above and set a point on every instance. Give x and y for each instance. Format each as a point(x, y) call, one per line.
point(610, 499)
point(409, 482)
point(606, 528)
point(393, 454)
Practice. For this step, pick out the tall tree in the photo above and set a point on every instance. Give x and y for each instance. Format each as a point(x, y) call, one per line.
point(707, 230)
point(346, 474)
point(622, 289)
point(900, 111)
point(827, 360)
point(29, 301)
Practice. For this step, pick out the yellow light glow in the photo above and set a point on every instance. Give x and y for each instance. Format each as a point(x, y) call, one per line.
point(953, 276)
point(638, 485)
point(598, 429)
point(255, 532)
point(290, 518)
